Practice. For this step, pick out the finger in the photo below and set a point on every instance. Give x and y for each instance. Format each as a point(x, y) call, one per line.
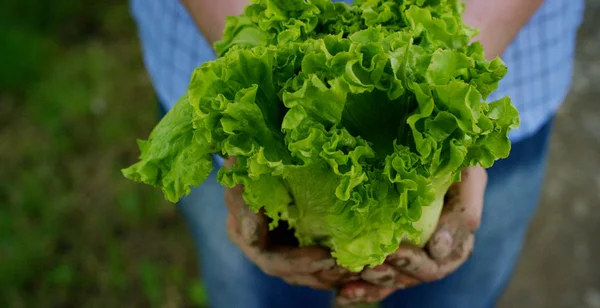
point(382, 276)
point(283, 261)
point(289, 261)
point(234, 196)
point(459, 255)
point(325, 279)
point(414, 262)
point(360, 292)
point(308, 281)
point(472, 192)
point(461, 214)
point(252, 226)
point(387, 276)
point(229, 162)
point(337, 276)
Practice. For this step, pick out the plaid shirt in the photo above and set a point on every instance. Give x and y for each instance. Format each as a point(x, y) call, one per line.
point(540, 59)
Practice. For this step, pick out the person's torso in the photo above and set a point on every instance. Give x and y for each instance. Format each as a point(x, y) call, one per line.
point(539, 60)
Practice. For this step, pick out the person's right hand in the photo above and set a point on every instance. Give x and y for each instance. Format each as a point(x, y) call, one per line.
point(306, 266)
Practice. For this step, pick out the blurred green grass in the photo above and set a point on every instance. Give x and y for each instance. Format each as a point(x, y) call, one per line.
point(74, 96)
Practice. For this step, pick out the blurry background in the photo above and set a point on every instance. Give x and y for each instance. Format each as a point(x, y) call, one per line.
point(74, 96)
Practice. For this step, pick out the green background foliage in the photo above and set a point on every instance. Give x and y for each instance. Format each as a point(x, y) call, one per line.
point(74, 96)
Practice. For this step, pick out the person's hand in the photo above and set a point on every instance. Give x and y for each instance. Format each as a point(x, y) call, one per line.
point(306, 266)
point(449, 247)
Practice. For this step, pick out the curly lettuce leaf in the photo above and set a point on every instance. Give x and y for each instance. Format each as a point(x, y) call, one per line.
point(175, 157)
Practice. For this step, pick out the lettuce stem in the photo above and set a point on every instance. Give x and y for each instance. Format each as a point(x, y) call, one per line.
point(430, 216)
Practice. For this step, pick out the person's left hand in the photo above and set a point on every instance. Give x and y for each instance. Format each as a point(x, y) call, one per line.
point(272, 251)
point(449, 247)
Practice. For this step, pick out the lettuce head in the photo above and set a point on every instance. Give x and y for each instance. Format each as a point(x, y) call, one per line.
point(348, 122)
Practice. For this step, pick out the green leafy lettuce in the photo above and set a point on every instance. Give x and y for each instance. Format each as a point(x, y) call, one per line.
point(347, 122)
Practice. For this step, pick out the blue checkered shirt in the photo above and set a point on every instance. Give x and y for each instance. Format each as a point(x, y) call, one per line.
point(540, 59)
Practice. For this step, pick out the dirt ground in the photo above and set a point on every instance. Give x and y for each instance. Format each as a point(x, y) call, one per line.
point(560, 266)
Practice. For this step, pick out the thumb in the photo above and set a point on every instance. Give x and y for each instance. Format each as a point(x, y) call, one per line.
point(461, 214)
point(252, 227)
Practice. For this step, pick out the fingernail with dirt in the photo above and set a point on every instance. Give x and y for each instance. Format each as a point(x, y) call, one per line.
point(402, 262)
point(249, 230)
point(383, 276)
point(321, 265)
point(441, 245)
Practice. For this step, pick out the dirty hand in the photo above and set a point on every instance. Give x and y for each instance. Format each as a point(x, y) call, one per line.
point(449, 247)
point(306, 266)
